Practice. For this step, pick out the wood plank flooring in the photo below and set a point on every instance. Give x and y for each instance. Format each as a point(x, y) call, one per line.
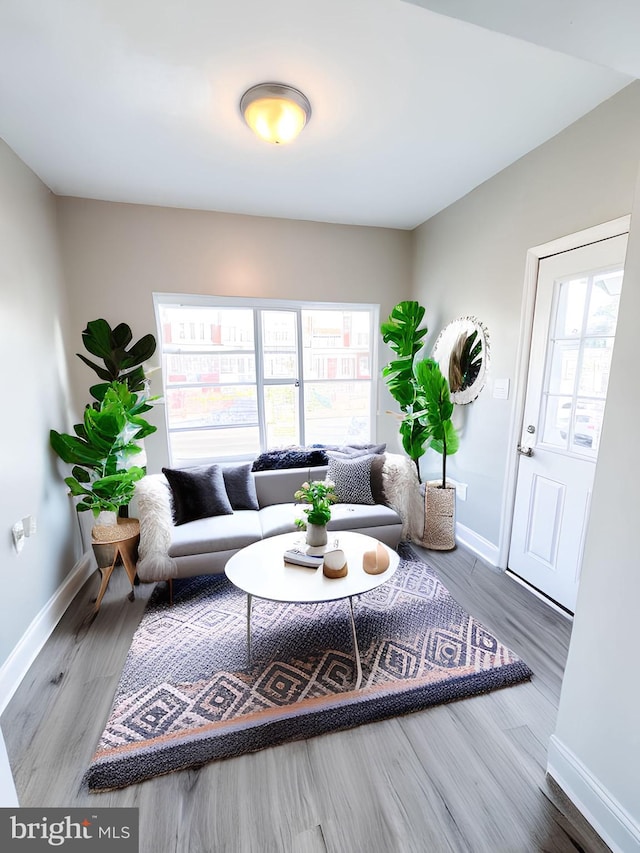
point(468, 776)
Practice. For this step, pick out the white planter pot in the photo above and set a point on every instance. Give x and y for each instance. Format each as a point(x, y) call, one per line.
point(316, 535)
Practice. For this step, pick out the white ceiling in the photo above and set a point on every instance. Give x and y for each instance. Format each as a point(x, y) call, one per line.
point(137, 101)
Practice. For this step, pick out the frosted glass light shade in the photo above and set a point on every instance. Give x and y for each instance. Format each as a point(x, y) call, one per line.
point(275, 112)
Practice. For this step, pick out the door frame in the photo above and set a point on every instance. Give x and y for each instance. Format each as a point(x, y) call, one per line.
point(612, 228)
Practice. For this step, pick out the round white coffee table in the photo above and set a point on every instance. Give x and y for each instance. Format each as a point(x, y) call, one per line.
point(261, 572)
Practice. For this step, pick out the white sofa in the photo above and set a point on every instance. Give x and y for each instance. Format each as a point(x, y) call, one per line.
point(203, 546)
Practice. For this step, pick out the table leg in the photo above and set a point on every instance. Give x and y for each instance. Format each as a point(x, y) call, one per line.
point(249, 599)
point(356, 650)
point(105, 574)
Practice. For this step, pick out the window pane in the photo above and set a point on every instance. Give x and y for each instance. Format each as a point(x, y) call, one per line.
point(570, 312)
point(213, 444)
point(596, 364)
point(281, 415)
point(207, 328)
point(211, 406)
point(337, 412)
point(336, 344)
point(557, 421)
point(564, 360)
point(603, 305)
point(210, 368)
point(279, 345)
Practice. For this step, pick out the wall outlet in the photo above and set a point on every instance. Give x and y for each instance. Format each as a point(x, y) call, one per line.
point(17, 532)
point(461, 491)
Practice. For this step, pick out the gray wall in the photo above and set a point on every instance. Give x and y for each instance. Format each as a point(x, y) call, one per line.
point(470, 259)
point(117, 255)
point(600, 701)
point(34, 385)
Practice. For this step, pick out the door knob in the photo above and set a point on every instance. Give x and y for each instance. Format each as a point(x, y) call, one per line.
point(525, 451)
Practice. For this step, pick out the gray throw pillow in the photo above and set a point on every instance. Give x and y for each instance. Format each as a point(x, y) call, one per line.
point(241, 487)
point(197, 493)
point(352, 479)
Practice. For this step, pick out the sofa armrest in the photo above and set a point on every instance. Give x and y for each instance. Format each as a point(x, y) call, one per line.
point(156, 523)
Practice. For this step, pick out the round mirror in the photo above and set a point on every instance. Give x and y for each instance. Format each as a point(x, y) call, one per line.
point(462, 351)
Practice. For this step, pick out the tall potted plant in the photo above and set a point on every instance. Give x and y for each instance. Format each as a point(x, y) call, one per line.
point(433, 410)
point(422, 392)
point(404, 334)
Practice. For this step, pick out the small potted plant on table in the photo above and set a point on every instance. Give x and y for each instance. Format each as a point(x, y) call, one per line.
point(319, 494)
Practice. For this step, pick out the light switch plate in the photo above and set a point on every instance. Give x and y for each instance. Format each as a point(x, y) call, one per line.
point(17, 532)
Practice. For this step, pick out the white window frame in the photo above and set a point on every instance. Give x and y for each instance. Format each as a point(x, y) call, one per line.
point(297, 306)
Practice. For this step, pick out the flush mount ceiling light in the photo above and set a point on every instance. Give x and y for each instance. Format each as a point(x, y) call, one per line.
point(275, 112)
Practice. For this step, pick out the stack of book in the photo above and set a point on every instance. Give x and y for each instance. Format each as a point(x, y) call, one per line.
point(301, 554)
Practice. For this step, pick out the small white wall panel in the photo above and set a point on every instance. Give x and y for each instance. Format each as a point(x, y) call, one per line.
point(545, 517)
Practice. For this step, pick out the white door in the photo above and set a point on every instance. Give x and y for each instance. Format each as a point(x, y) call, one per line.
point(574, 325)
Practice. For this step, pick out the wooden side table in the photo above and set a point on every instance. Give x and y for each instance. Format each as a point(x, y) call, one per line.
point(113, 541)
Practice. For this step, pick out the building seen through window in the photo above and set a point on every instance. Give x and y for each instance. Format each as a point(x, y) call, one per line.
point(244, 376)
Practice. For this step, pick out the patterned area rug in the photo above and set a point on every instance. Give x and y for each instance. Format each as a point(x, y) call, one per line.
point(185, 697)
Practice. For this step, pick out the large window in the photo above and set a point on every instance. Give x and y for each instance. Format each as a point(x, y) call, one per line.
point(242, 376)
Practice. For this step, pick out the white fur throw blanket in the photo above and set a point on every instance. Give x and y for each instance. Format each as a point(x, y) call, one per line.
point(402, 490)
point(154, 511)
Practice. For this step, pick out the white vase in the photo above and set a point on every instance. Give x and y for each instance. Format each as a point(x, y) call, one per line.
point(316, 535)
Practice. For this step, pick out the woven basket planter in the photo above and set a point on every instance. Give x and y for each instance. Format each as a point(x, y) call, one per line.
point(439, 518)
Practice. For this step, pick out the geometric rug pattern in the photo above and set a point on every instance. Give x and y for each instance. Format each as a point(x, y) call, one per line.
point(185, 696)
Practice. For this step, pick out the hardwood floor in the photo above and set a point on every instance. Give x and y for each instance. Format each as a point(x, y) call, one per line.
point(468, 776)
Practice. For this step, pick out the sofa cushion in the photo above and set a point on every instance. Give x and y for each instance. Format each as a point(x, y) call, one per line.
point(279, 518)
point(197, 493)
point(240, 486)
point(352, 479)
point(218, 533)
point(354, 516)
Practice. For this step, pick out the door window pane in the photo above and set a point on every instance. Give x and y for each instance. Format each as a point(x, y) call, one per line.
point(570, 308)
point(564, 361)
point(596, 364)
point(587, 425)
point(557, 421)
point(603, 305)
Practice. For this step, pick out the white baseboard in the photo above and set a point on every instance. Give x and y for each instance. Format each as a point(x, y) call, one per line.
point(15, 667)
point(477, 544)
point(605, 814)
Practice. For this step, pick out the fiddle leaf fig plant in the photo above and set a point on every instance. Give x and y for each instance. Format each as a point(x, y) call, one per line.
point(404, 335)
point(434, 409)
point(102, 448)
point(120, 364)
